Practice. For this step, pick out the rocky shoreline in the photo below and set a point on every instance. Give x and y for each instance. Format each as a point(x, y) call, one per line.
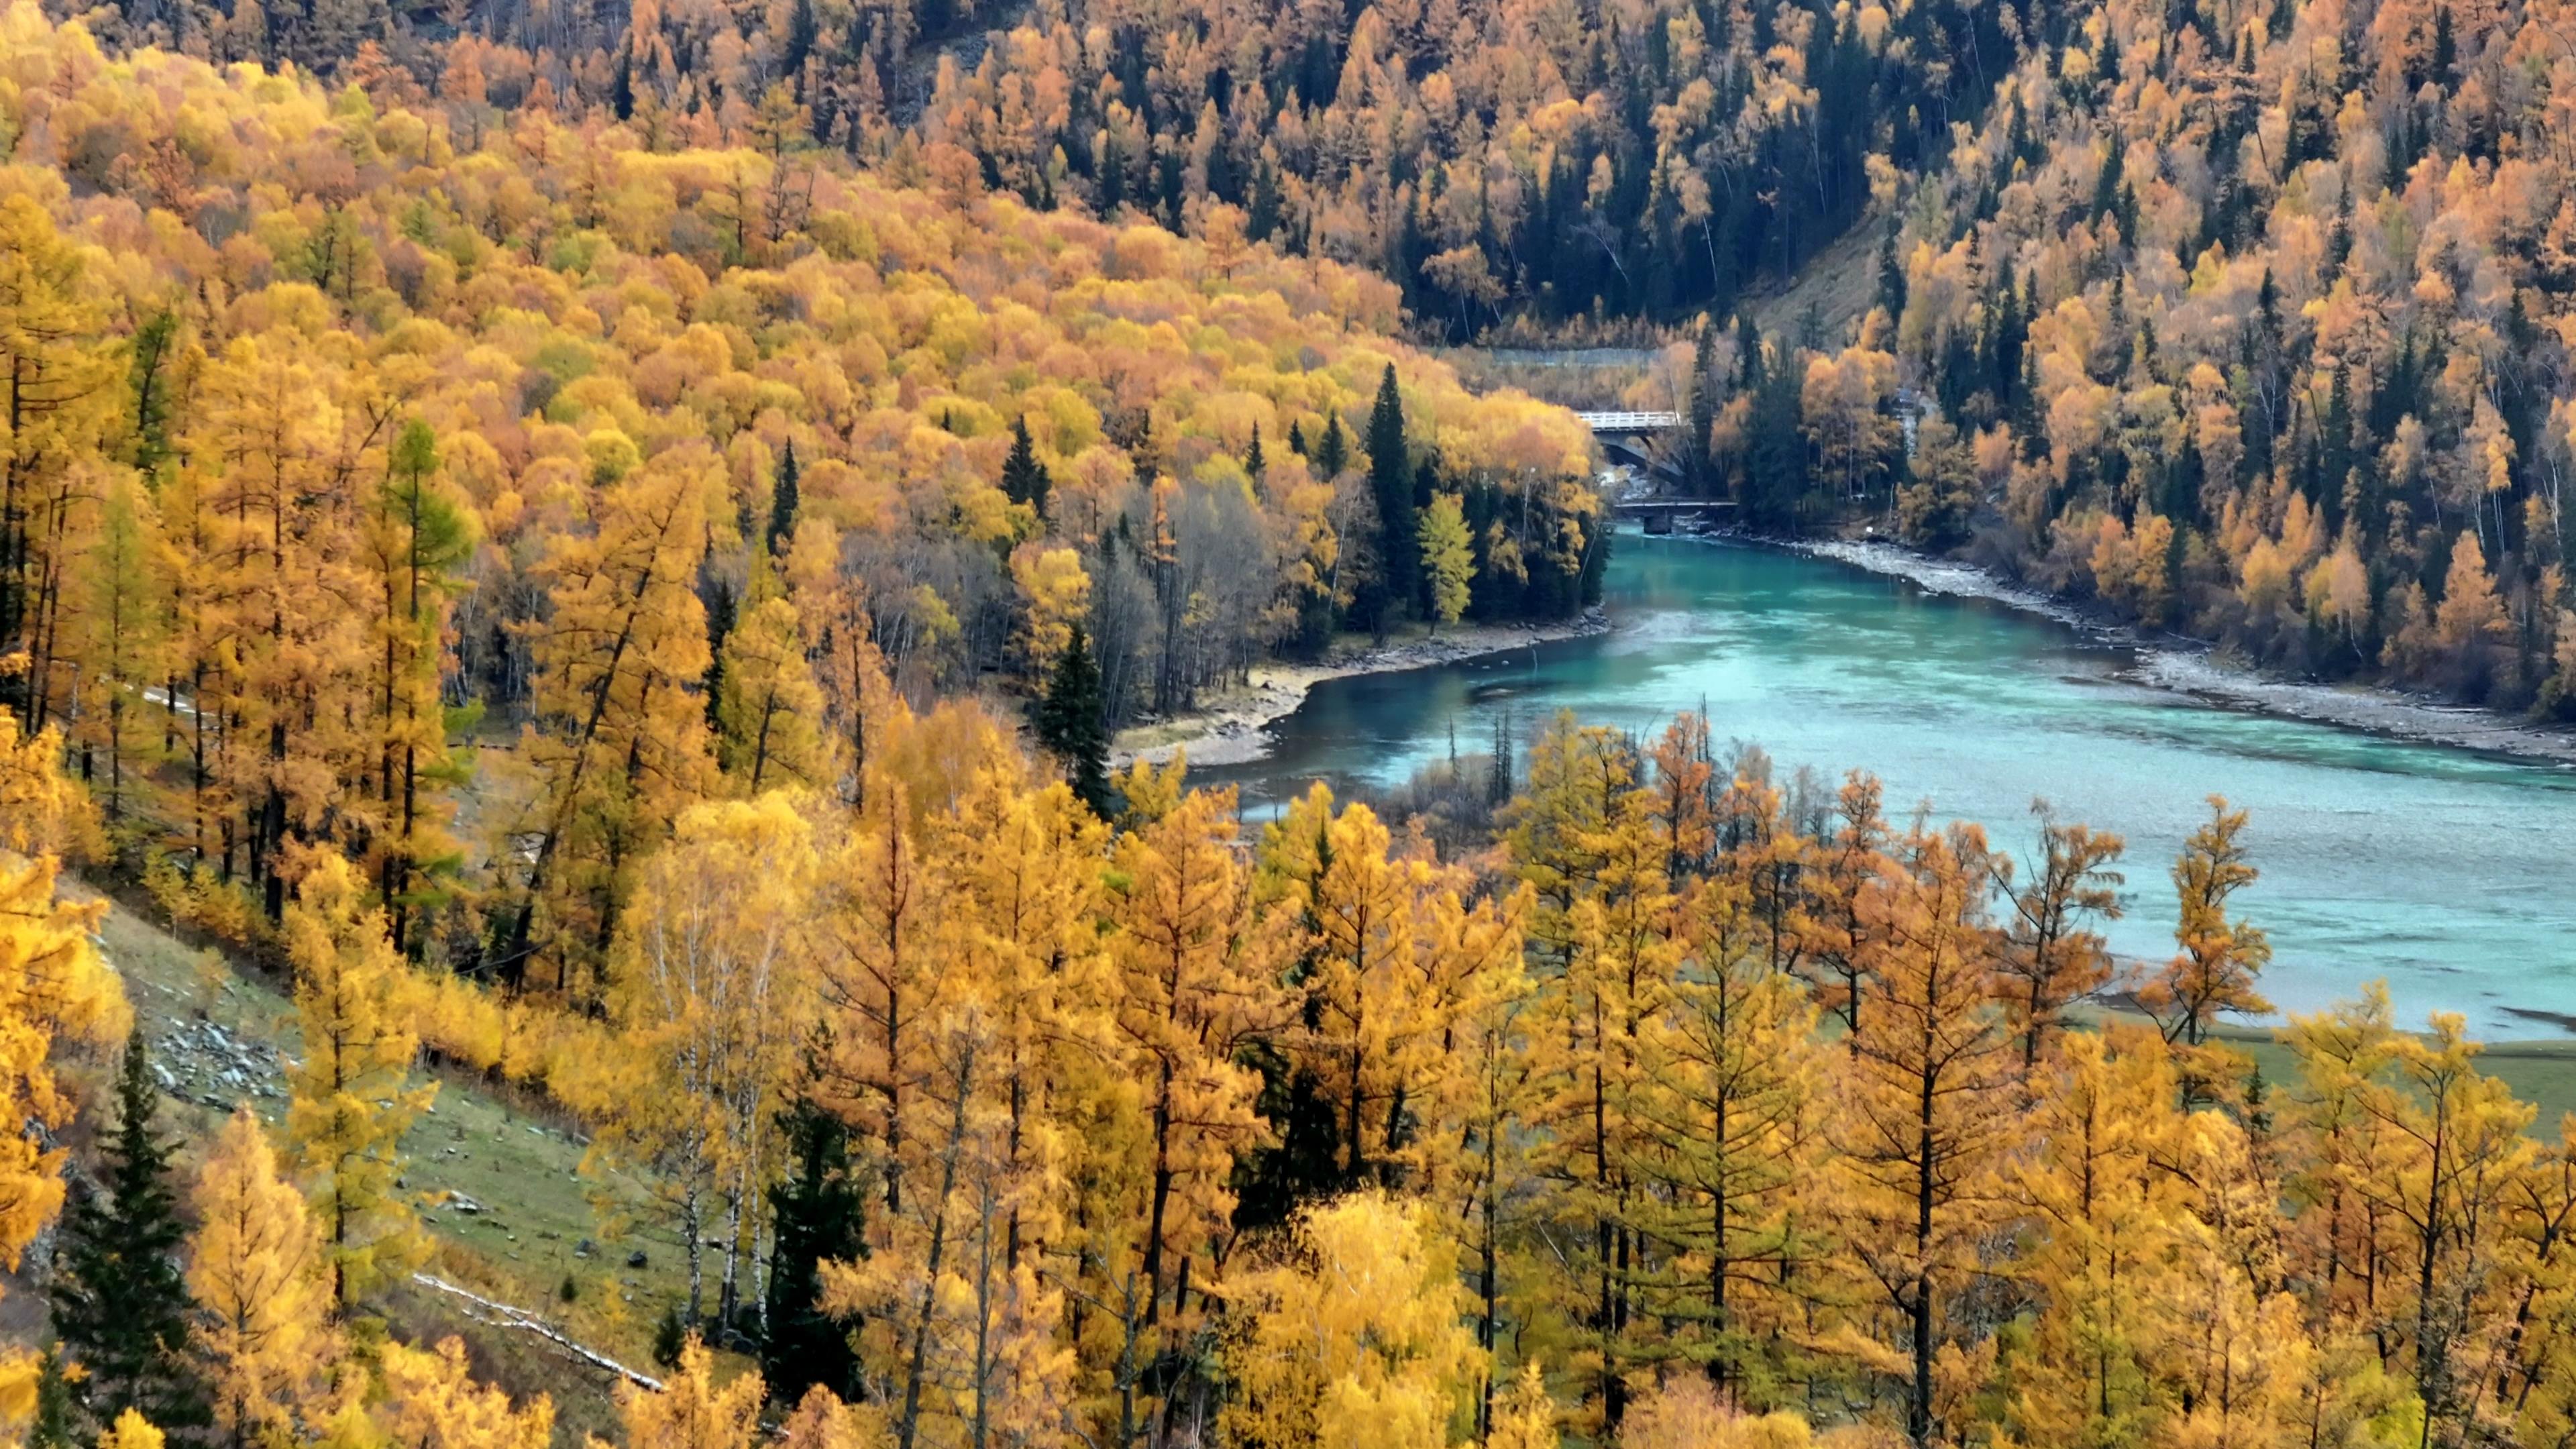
point(1233, 728)
point(2193, 668)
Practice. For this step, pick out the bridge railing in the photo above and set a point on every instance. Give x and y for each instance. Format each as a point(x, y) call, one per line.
point(1630, 422)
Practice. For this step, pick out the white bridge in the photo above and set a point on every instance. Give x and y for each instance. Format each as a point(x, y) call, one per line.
point(1622, 435)
point(1617, 423)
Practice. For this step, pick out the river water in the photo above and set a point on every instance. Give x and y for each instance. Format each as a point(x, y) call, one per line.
point(2449, 873)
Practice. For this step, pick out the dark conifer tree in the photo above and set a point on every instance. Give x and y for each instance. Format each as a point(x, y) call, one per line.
point(1296, 437)
point(1778, 463)
point(1254, 463)
point(154, 345)
point(801, 32)
point(817, 1213)
point(1333, 454)
point(1262, 217)
point(1891, 275)
point(1391, 482)
point(783, 502)
point(2106, 182)
point(1701, 417)
point(1024, 478)
point(120, 1303)
point(2334, 450)
point(720, 616)
point(1112, 185)
point(2005, 337)
point(1071, 724)
point(52, 1427)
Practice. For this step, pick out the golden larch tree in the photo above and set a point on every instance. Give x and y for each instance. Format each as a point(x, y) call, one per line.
point(690, 1411)
point(1594, 1037)
point(769, 706)
point(418, 534)
point(1197, 985)
point(2214, 974)
point(55, 991)
point(1733, 1133)
point(1924, 1113)
point(2051, 956)
point(2104, 1198)
point(431, 1401)
point(349, 1095)
point(259, 1270)
point(1354, 1338)
point(620, 743)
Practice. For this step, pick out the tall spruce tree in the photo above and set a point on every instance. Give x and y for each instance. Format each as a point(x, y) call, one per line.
point(1333, 454)
point(1072, 725)
point(816, 1213)
point(1391, 481)
point(1024, 478)
point(51, 1426)
point(1777, 468)
point(120, 1302)
point(721, 609)
point(1891, 274)
point(1699, 476)
point(783, 501)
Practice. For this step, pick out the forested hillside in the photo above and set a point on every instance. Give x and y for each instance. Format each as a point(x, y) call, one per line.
point(676, 447)
point(2245, 320)
point(2275, 308)
point(1531, 161)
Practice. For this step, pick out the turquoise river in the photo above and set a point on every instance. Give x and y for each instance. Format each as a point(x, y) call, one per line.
point(2449, 873)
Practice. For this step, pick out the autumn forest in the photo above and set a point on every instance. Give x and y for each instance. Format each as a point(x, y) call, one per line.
point(617, 570)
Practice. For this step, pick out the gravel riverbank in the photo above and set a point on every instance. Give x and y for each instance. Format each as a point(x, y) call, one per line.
point(1233, 728)
point(2186, 667)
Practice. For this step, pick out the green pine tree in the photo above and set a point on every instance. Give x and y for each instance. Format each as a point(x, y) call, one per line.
point(1254, 463)
point(1891, 276)
point(51, 1428)
point(120, 1303)
point(154, 344)
point(1698, 476)
point(783, 501)
point(721, 609)
point(1072, 724)
point(1024, 478)
point(1391, 481)
point(1776, 481)
point(816, 1214)
point(1333, 454)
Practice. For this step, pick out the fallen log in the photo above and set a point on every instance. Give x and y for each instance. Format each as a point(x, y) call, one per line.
point(503, 1315)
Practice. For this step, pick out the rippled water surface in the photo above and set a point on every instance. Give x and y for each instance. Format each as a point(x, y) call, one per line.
point(2450, 873)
